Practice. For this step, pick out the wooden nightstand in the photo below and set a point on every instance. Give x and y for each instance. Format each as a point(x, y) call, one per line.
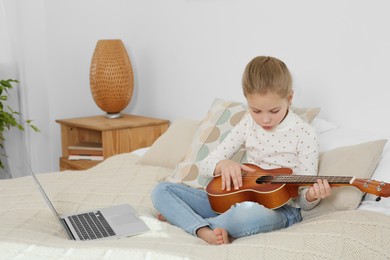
point(120, 135)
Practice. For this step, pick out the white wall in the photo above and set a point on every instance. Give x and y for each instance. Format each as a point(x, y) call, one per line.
point(187, 52)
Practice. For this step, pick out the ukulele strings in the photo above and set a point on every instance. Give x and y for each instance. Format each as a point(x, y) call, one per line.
point(295, 178)
point(250, 176)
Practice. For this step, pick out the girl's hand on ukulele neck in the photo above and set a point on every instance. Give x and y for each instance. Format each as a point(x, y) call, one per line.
point(320, 190)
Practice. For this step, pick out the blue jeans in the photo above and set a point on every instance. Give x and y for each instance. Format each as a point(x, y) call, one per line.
point(189, 209)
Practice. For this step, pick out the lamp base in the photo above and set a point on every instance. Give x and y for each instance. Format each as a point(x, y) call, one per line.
point(113, 115)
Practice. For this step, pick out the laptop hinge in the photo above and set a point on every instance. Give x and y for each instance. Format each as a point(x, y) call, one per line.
point(67, 229)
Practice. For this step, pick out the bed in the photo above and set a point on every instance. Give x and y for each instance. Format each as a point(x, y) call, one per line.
point(348, 225)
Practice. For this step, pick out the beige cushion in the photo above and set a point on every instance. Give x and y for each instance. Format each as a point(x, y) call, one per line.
point(307, 114)
point(222, 116)
point(356, 160)
point(171, 147)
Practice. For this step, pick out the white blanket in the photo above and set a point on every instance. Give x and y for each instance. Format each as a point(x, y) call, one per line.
point(30, 231)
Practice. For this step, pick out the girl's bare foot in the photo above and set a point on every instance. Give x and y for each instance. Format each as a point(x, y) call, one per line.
point(218, 236)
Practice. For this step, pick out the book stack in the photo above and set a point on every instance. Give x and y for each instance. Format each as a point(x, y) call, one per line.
point(86, 151)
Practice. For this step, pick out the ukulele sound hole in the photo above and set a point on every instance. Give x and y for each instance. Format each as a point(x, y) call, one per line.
point(264, 179)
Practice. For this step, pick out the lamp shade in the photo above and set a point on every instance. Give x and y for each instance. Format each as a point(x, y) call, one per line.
point(111, 77)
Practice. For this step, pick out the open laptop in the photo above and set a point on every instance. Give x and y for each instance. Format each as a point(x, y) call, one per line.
point(111, 222)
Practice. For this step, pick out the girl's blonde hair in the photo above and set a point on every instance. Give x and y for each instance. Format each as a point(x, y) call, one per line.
point(265, 74)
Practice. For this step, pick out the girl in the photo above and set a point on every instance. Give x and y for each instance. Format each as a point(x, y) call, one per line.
point(273, 137)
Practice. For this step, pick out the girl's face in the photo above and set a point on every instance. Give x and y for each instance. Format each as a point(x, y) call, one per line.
point(268, 110)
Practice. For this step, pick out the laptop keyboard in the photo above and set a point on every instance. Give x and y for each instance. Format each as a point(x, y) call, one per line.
point(91, 225)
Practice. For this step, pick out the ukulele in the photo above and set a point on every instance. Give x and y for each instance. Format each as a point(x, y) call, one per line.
point(276, 187)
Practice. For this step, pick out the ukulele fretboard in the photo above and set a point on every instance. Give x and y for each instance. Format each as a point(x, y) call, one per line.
point(307, 179)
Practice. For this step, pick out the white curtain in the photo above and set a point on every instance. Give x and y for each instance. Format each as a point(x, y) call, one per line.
point(15, 144)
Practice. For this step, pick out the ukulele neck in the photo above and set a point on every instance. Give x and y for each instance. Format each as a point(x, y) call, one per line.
point(309, 179)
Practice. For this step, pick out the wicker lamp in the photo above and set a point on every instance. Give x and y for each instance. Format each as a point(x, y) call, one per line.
point(111, 77)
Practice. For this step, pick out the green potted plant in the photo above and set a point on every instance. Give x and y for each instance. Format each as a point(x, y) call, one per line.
point(7, 115)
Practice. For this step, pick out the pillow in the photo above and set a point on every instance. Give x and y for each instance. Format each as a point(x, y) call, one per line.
point(382, 173)
point(171, 147)
point(307, 114)
point(356, 160)
point(344, 136)
point(222, 116)
point(322, 126)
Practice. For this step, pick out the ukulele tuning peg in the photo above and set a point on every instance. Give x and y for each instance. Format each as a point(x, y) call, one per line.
point(378, 199)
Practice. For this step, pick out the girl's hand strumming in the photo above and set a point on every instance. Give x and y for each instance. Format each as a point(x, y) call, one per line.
point(230, 172)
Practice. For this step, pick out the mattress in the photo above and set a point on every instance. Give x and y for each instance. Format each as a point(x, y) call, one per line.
point(30, 231)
